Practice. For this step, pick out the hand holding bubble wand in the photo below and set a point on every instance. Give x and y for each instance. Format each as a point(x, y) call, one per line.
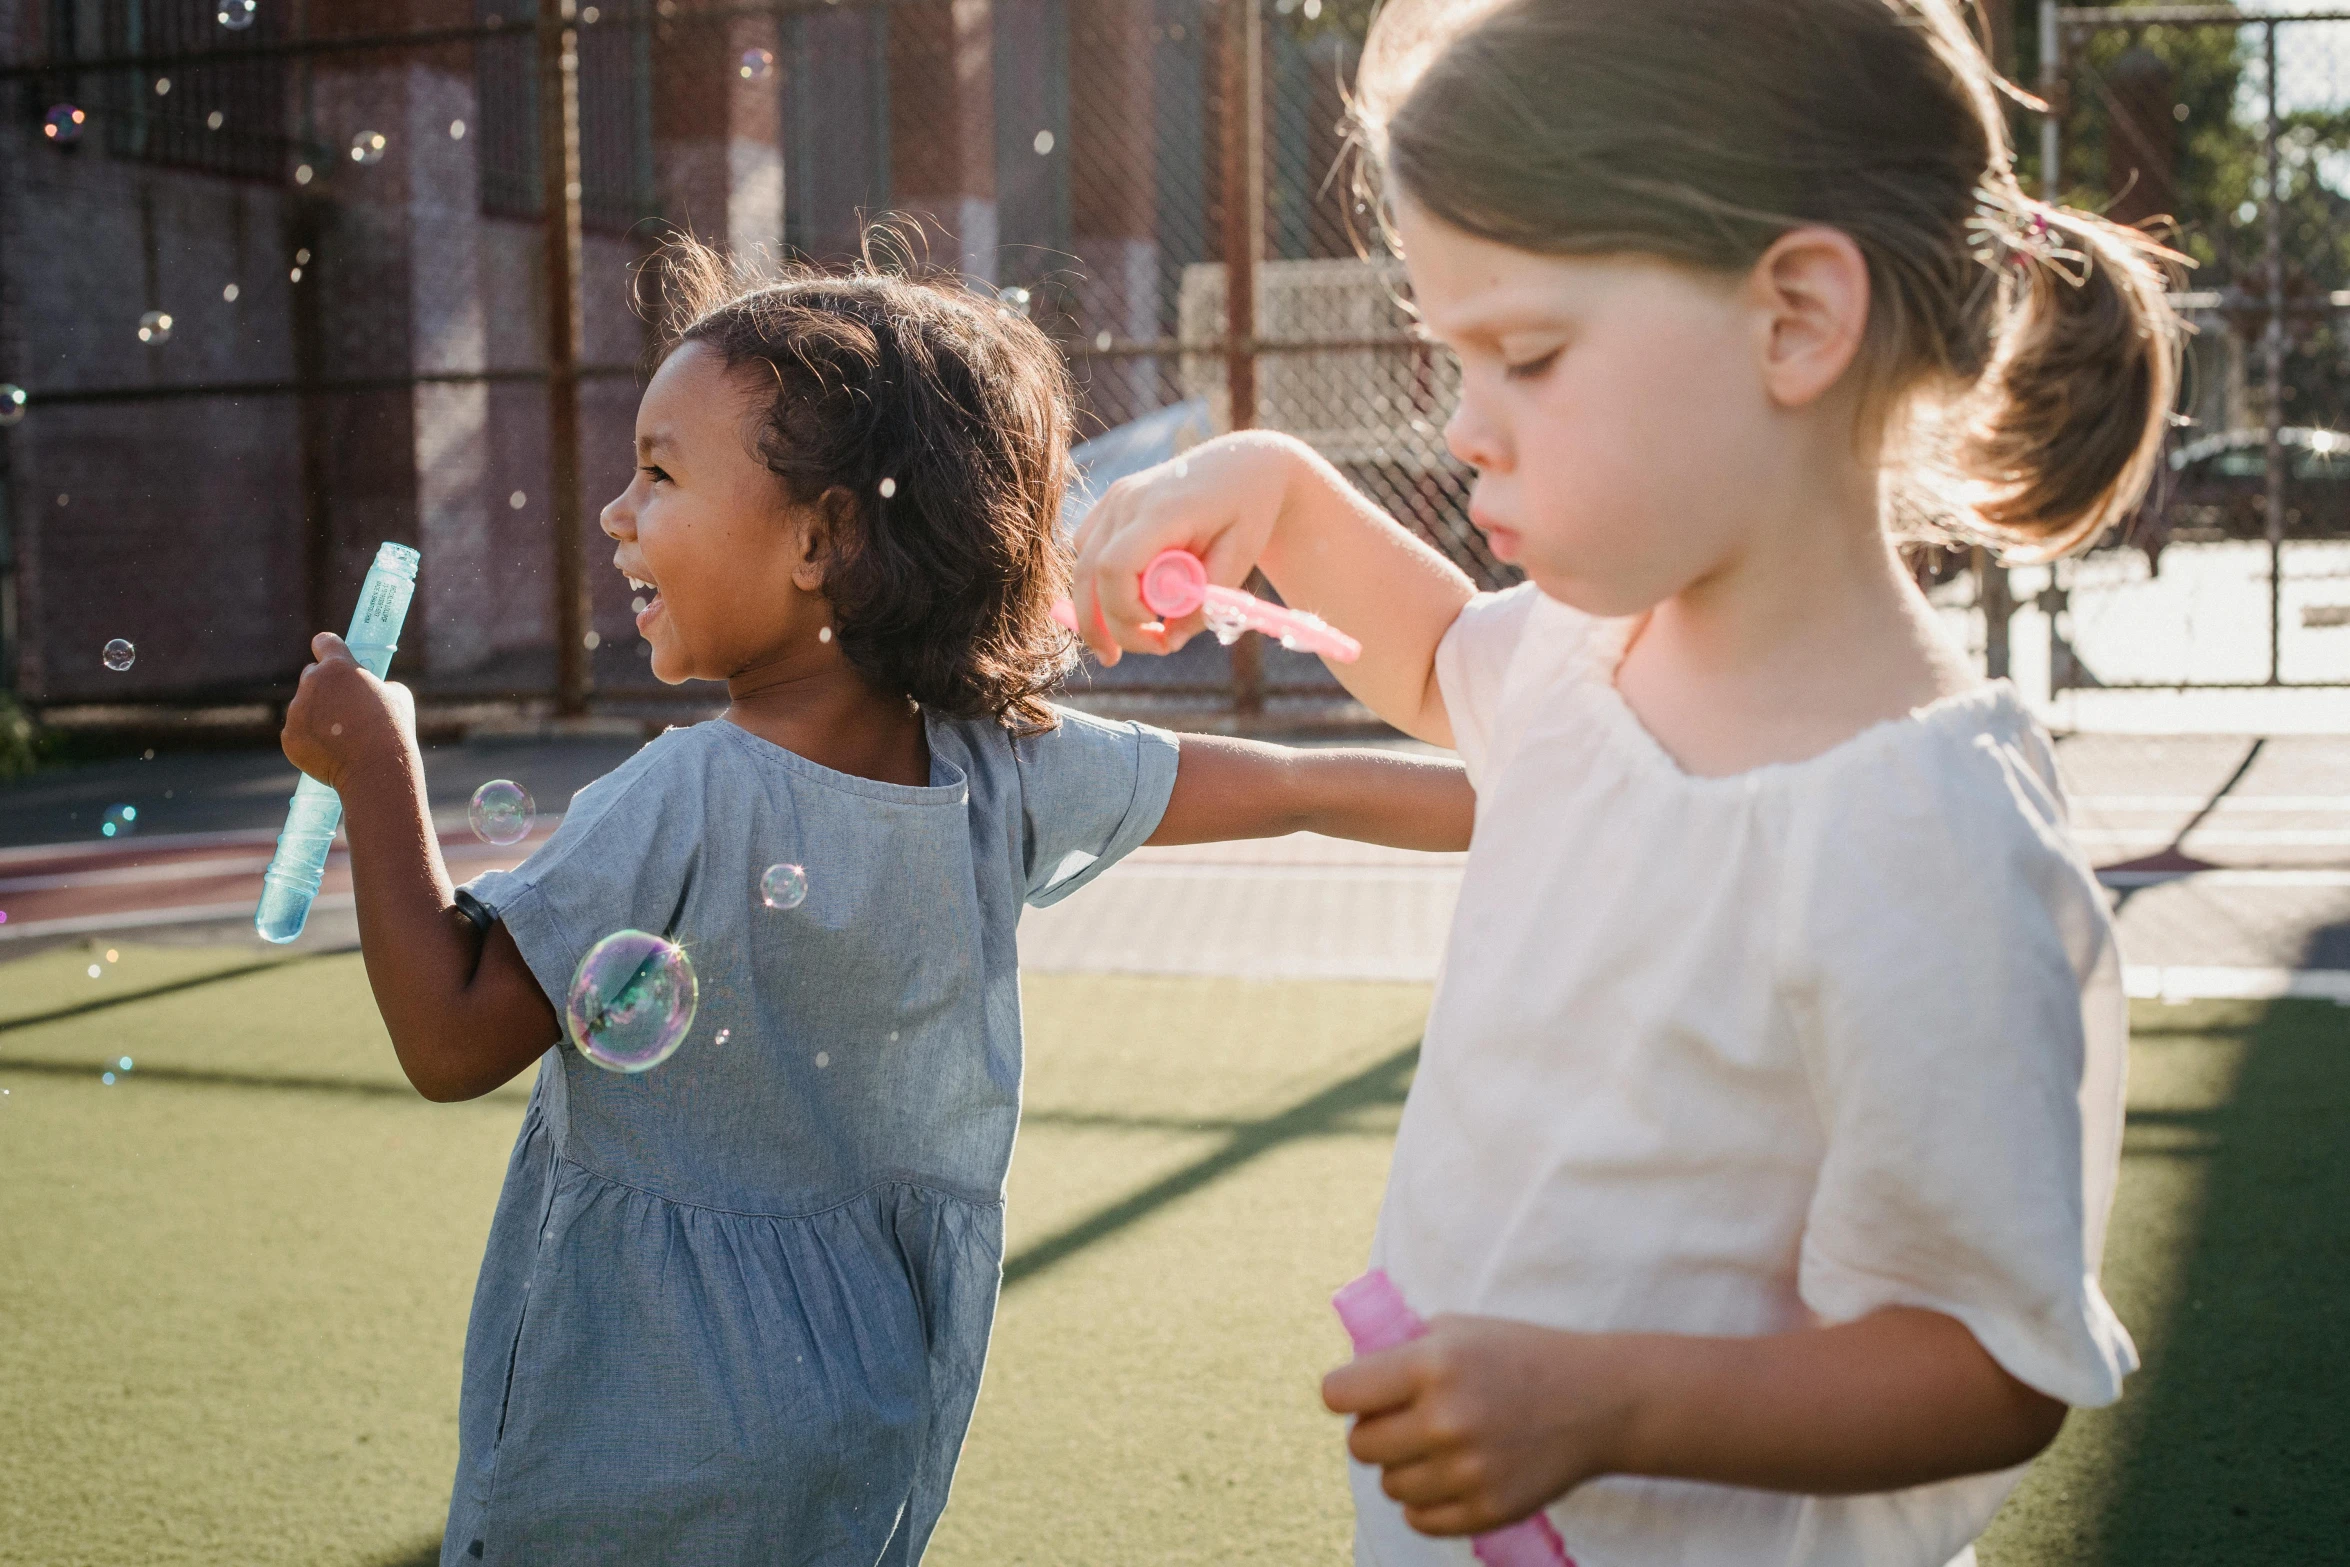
point(291, 883)
point(1176, 582)
point(1376, 1318)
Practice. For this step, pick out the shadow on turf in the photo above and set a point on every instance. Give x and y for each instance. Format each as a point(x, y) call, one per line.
point(2238, 1452)
point(427, 1554)
point(1382, 1083)
point(124, 998)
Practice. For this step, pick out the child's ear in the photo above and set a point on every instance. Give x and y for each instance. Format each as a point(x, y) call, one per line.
point(826, 530)
point(1812, 288)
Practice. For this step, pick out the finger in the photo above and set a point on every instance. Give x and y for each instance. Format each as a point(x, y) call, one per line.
point(1371, 1384)
point(1450, 1517)
point(1399, 1436)
point(1434, 1482)
point(326, 645)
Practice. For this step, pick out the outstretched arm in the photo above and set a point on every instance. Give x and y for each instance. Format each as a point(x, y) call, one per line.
point(464, 1011)
point(1226, 788)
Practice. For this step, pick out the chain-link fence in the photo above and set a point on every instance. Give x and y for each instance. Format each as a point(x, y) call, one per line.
point(281, 279)
point(2235, 126)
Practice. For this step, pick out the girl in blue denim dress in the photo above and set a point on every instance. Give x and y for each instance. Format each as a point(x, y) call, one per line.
point(734, 1308)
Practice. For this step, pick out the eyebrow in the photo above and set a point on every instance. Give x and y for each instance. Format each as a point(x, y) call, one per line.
point(659, 440)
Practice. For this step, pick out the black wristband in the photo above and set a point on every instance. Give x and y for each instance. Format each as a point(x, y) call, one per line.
point(478, 912)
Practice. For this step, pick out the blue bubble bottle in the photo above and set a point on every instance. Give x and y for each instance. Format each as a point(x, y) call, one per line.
point(299, 865)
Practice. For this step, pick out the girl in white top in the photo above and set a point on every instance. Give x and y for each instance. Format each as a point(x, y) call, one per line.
point(1756, 1172)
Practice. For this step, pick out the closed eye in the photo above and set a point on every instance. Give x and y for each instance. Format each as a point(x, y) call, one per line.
point(654, 473)
point(1532, 369)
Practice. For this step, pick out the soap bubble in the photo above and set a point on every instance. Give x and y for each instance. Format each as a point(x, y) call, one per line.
point(12, 401)
point(1044, 142)
point(631, 1001)
point(119, 821)
point(501, 812)
point(237, 15)
point(724, 1035)
point(368, 147)
point(756, 65)
point(155, 327)
point(889, 487)
point(63, 124)
point(123, 1063)
point(783, 887)
point(1015, 299)
point(215, 120)
point(107, 1078)
point(119, 655)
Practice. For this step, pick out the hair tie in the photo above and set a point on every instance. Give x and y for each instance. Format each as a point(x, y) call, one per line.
point(2010, 229)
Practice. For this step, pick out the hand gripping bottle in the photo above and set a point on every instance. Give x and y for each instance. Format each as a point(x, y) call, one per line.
point(1176, 582)
point(316, 810)
point(1377, 1318)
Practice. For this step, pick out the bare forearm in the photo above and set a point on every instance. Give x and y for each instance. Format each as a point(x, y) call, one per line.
point(1333, 552)
point(1900, 1398)
point(421, 954)
point(1227, 789)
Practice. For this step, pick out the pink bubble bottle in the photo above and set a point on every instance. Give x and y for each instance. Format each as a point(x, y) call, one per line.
point(1176, 582)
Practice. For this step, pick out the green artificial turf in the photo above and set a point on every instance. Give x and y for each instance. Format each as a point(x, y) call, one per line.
point(233, 1285)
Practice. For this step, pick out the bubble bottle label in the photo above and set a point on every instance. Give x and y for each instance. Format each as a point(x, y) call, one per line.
point(299, 865)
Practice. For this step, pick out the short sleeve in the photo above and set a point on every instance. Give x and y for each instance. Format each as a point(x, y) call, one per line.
point(624, 857)
point(1472, 662)
point(1090, 792)
point(1954, 986)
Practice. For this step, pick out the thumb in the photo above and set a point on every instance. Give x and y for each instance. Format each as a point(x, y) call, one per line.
point(326, 645)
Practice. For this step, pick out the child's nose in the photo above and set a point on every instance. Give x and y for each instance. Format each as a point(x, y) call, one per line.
point(618, 518)
point(1472, 438)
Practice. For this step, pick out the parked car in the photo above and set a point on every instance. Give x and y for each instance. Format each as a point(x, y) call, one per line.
point(2218, 485)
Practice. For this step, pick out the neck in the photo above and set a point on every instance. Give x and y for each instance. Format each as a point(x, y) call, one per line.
point(824, 710)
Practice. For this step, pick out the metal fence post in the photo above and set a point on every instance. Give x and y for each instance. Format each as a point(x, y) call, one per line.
point(1244, 244)
point(2274, 219)
point(558, 41)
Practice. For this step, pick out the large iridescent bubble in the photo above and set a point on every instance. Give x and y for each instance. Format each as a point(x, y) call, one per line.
point(632, 1001)
point(501, 812)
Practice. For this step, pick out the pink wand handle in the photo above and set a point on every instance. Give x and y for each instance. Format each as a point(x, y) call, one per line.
point(1175, 583)
point(1376, 1318)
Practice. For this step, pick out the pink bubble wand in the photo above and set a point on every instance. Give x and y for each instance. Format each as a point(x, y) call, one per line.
point(1376, 1318)
point(1176, 582)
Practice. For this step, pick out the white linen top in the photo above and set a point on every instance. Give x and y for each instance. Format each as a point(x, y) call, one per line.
point(1737, 1055)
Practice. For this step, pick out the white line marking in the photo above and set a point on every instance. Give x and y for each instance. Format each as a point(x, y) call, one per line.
point(2221, 837)
point(2179, 982)
point(2196, 802)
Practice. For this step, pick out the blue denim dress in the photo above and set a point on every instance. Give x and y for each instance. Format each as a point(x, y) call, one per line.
point(734, 1308)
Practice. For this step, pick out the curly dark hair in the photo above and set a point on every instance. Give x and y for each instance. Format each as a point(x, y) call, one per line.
point(931, 425)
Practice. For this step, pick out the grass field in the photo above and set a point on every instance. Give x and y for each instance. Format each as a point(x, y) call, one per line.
point(233, 1285)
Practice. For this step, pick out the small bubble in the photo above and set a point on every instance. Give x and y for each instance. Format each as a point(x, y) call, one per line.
point(1044, 142)
point(591, 641)
point(112, 956)
point(63, 124)
point(229, 293)
point(501, 812)
point(456, 130)
point(1016, 299)
point(237, 15)
point(124, 1063)
point(62, 498)
point(335, 730)
point(302, 257)
point(517, 500)
point(591, 16)
point(118, 821)
point(889, 487)
point(155, 327)
point(893, 1036)
point(1182, 467)
point(631, 1001)
point(756, 65)
point(636, 606)
point(368, 147)
point(301, 177)
point(95, 971)
point(215, 120)
point(824, 633)
point(1102, 341)
point(783, 886)
point(107, 1078)
point(148, 755)
point(12, 401)
point(119, 655)
point(723, 1036)
point(294, 276)
point(823, 1058)
point(1312, 9)
point(162, 86)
